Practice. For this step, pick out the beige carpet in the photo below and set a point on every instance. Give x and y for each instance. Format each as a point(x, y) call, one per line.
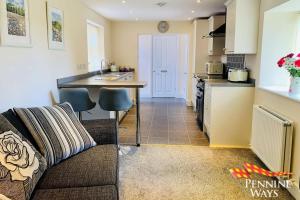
point(162, 172)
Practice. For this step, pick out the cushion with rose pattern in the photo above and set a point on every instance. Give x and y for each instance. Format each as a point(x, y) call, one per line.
point(21, 165)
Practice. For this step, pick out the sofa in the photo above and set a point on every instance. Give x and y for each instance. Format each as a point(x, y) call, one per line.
point(91, 174)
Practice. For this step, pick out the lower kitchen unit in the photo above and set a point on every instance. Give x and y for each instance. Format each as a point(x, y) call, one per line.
point(228, 113)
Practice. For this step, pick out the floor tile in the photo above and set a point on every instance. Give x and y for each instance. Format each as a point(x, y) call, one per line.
point(163, 121)
point(158, 140)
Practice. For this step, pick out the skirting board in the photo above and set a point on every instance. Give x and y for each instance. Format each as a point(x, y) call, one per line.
point(228, 147)
point(189, 103)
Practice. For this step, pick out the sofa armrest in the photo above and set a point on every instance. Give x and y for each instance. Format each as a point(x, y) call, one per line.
point(103, 131)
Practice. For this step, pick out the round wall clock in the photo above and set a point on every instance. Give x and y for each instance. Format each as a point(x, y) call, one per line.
point(163, 26)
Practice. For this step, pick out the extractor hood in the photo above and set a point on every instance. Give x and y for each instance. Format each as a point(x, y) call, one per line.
point(219, 32)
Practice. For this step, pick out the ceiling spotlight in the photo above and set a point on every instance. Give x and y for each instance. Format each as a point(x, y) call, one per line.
point(193, 11)
point(198, 1)
point(124, 1)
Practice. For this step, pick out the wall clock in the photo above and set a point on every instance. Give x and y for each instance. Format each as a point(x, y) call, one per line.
point(163, 26)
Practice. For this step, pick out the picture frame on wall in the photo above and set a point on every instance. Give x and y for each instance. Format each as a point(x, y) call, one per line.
point(55, 18)
point(14, 23)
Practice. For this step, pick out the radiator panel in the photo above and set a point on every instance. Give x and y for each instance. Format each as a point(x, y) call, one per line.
point(271, 139)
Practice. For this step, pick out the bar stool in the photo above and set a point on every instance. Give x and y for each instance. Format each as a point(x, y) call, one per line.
point(115, 100)
point(79, 99)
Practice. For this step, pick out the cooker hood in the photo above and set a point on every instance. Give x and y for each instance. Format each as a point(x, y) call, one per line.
point(219, 32)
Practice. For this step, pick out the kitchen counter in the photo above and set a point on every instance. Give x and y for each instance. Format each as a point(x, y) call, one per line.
point(97, 80)
point(219, 81)
point(226, 83)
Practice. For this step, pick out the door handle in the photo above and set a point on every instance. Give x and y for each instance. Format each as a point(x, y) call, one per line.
point(164, 71)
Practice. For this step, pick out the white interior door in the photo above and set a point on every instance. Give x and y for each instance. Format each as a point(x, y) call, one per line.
point(165, 62)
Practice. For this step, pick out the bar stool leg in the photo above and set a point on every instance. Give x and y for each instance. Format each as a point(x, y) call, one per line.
point(80, 116)
point(117, 129)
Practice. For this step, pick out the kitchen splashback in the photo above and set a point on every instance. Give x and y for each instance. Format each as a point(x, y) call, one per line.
point(236, 60)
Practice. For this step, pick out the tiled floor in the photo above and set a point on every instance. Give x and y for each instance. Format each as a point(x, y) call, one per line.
point(163, 121)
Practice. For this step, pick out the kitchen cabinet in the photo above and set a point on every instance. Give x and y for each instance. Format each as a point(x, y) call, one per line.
point(216, 44)
point(228, 115)
point(242, 23)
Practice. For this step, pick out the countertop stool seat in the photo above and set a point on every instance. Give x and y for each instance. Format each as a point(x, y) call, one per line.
point(115, 100)
point(79, 99)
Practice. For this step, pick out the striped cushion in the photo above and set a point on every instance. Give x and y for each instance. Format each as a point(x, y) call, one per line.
point(57, 131)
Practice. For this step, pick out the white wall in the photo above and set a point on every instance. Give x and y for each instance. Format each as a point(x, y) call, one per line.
point(125, 41)
point(200, 45)
point(278, 103)
point(28, 75)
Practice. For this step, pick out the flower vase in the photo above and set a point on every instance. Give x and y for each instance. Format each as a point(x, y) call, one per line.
point(295, 86)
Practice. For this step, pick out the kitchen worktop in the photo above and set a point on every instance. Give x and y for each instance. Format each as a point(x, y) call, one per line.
point(218, 81)
point(118, 79)
point(226, 83)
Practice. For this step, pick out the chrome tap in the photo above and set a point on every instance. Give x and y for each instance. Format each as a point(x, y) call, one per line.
point(101, 65)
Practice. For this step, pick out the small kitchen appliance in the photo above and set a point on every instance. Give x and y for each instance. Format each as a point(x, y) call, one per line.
point(214, 68)
point(238, 75)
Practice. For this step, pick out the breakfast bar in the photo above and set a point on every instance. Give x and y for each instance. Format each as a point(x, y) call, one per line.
point(109, 80)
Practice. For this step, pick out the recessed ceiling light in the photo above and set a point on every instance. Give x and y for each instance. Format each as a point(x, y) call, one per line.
point(198, 1)
point(193, 11)
point(124, 1)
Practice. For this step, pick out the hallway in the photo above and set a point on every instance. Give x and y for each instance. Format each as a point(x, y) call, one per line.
point(163, 121)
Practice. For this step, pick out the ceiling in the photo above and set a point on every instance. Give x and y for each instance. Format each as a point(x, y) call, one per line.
point(147, 10)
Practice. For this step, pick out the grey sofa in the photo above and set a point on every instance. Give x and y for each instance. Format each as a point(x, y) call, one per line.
point(91, 174)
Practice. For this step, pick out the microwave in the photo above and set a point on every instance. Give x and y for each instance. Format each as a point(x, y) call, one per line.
point(214, 68)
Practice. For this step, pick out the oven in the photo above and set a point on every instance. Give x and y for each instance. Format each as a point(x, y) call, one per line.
point(200, 103)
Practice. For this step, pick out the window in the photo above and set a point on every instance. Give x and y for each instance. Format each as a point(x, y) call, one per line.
point(281, 36)
point(95, 41)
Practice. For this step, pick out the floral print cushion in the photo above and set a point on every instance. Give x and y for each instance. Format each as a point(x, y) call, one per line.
point(21, 165)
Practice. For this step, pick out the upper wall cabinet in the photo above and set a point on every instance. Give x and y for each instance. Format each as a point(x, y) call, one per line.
point(242, 23)
point(215, 44)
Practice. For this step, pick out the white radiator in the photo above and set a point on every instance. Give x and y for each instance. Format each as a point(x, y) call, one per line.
point(271, 139)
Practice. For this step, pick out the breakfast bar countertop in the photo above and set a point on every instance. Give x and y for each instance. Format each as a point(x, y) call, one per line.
point(96, 81)
point(109, 80)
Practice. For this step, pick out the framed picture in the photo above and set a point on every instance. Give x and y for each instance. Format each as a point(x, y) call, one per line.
point(56, 38)
point(14, 23)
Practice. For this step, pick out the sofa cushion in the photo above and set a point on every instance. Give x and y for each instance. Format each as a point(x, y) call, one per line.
point(57, 131)
point(94, 167)
point(15, 120)
point(21, 165)
point(108, 192)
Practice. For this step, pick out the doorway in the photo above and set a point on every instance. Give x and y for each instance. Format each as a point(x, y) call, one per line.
point(95, 42)
point(163, 63)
